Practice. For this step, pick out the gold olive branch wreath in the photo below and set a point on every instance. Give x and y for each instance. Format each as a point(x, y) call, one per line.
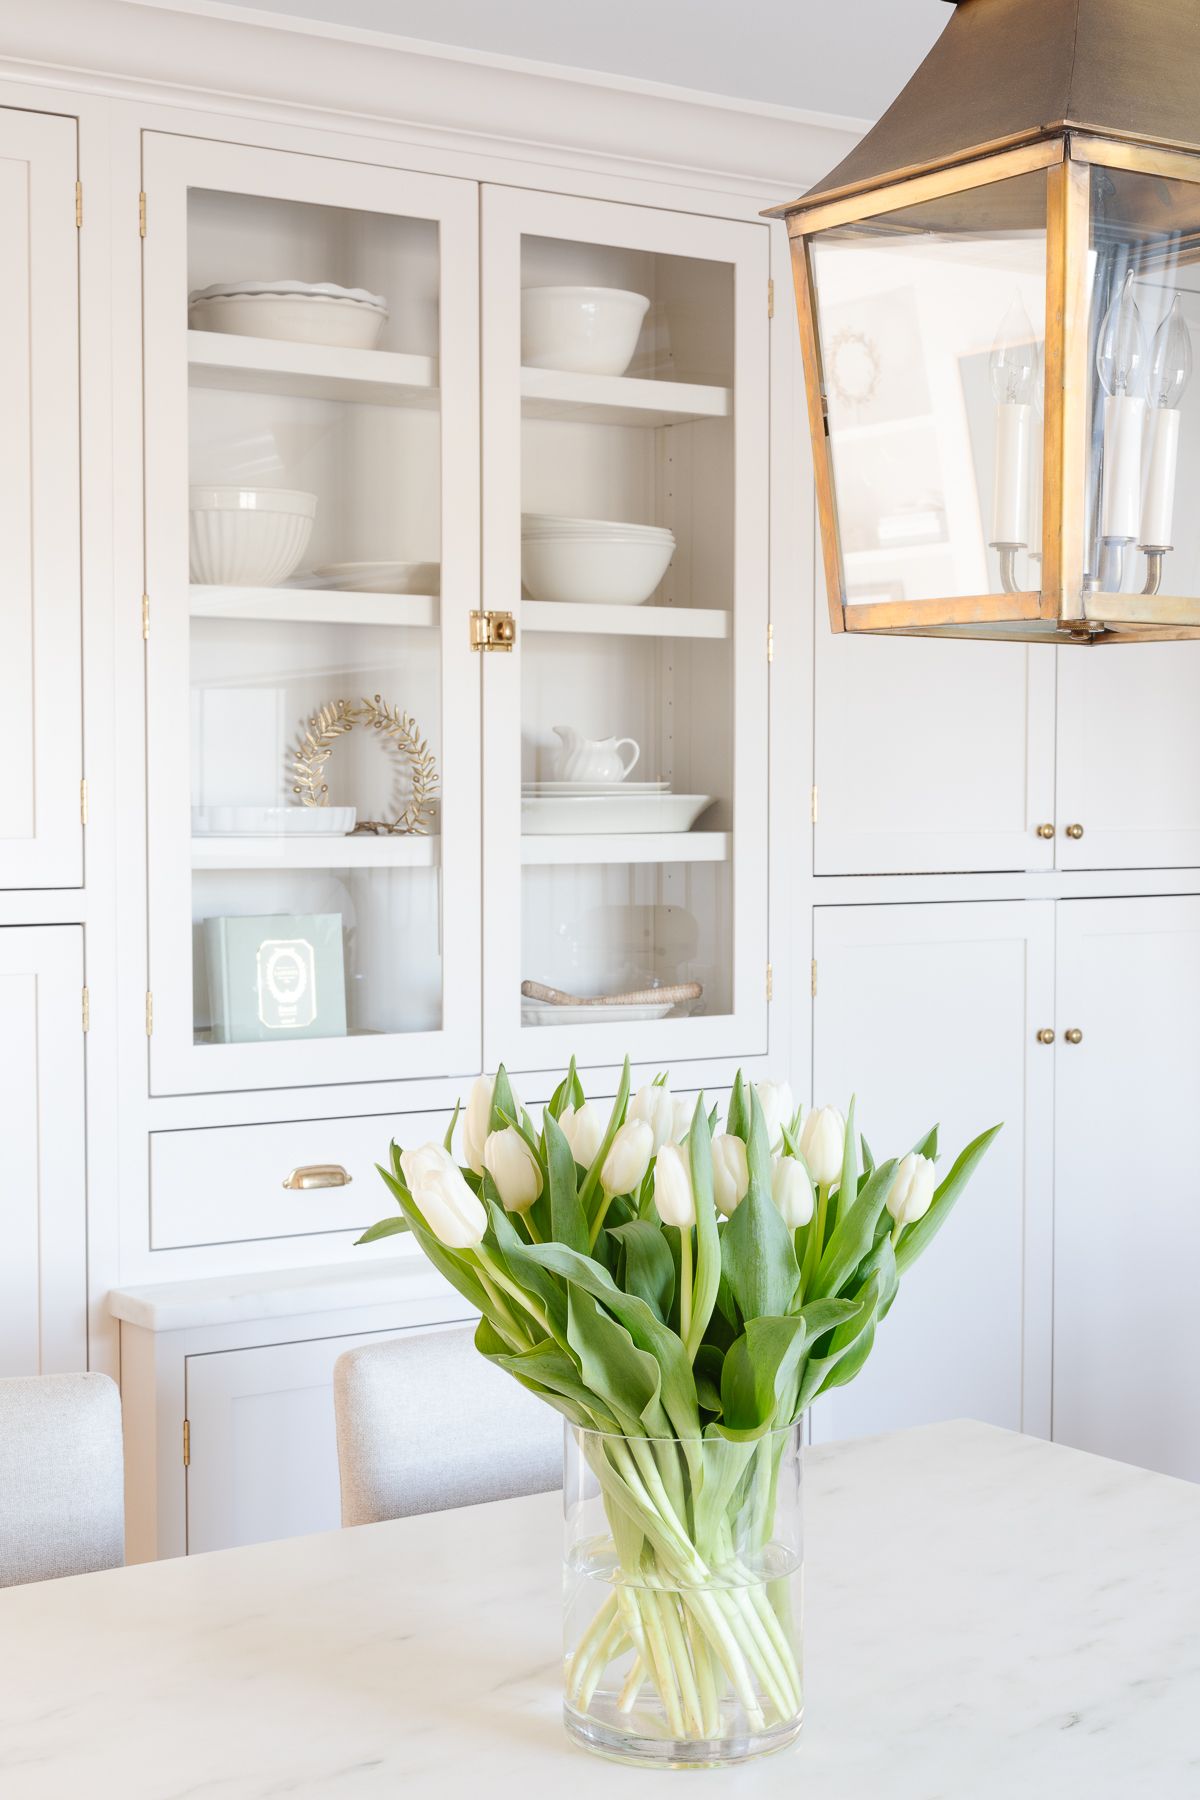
point(400, 730)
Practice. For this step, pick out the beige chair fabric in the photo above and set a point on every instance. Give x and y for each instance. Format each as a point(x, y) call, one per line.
point(62, 1479)
point(424, 1422)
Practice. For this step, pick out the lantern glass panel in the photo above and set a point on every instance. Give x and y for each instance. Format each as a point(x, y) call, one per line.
point(1143, 462)
point(931, 323)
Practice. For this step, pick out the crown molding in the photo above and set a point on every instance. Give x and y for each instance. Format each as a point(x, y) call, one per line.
point(244, 62)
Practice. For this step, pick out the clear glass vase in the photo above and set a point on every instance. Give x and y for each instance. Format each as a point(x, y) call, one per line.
point(682, 1594)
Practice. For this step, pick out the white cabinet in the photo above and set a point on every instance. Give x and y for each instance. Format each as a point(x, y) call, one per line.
point(931, 756)
point(43, 1215)
point(1127, 1224)
point(1129, 730)
point(933, 1011)
point(41, 833)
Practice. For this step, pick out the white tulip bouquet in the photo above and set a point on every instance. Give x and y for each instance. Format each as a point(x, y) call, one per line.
point(681, 1294)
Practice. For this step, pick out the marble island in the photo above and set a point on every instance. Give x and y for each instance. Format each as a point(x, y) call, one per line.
point(988, 1616)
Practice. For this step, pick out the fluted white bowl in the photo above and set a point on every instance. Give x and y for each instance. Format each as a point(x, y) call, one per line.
point(248, 537)
point(601, 570)
point(295, 318)
point(587, 330)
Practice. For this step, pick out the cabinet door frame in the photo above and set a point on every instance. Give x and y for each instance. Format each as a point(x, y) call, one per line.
point(42, 535)
point(172, 164)
point(508, 214)
point(45, 1244)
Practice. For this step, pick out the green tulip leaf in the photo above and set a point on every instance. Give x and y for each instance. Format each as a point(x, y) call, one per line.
point(757, 1371)
point(758, 1146)
point(854, 1234)
point(928, 1145)
point(856, 1325)
point(568, 1223)
point(551, 1374)
point(708, 1365)
point(758, 1257)
point(647, 1266)
point(504, 1102)
point(507, 1244)
point(591, 1180)
point(917, 1238)
point(847, 1190)
point(453, 1264)
point(626, 1379)
point(385, 1228)
point(708, 1238)
point(737, 1119)
point(448, 1140)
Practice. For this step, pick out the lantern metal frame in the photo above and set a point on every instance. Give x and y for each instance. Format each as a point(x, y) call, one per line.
point(1065, 610)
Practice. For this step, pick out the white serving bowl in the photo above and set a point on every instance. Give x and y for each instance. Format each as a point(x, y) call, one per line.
point(295, 318)
point(248, 537)
point(598, 570)
point(587, 330)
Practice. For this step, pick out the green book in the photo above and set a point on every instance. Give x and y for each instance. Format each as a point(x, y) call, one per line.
point(281, 976)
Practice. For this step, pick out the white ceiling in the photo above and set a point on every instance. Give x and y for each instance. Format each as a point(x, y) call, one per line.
point(835, 56)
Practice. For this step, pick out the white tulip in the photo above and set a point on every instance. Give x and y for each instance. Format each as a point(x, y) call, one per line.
point(628, 1158)
point(477, 1120)
point(823, 1144)
point(583, 1128)
point(911, 1193)
point(511, 1165)
point(778, 1108)
point(683, 1111)
point(452, 1212)
point(673, 1194)
point(731, 1172)
point(792, 1191)
point(657, 1108)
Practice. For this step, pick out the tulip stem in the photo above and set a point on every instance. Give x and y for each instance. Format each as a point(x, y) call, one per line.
point(816, 1239)
point(535, 1235)
point(523, 1299)
point(685, 1284)
point(605, 1202)
point(897, 1228)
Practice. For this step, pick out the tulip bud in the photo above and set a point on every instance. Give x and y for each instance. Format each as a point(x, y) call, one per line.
point(823, 1144)
point(911, 1193)
point(512, 1166)
point(673, 1194)
point(778, 1108)
point(731, 1172)
point(452, 1212)
point(628, 1158)
point(477, 1120)
point(792, 1191)
point(583, 1129)
point(655, 1105)
point(683, 1111)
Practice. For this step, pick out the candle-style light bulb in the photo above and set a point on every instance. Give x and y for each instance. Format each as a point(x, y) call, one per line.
point(1170, 373)
point(1013, 370)
point(1120, 364)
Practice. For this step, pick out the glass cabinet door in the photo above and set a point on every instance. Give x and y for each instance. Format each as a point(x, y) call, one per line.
point(311, 403)
point(626, 530)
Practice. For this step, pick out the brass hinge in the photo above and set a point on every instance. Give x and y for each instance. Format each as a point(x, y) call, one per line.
point(816, 804)
point(770, 299)
point(770, 982)
point(142, 214)
point(771, 643)
point(187, 1442)
point(493, 631)
point(149, 1014)
point(78, 205)
point(87, 1010)
point(145, 615)
point(83, 802)
point(814, 978)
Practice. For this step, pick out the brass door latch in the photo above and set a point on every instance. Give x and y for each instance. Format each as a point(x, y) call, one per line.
point(493, 631)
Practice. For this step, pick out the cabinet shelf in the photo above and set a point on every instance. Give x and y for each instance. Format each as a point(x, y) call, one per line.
point(313, 606)
point(619, 399)
point(554, 848)
point(315, 852)
point(625, 621)
point(220, 359)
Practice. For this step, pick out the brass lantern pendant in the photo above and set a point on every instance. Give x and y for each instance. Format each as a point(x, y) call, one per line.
point(999, 289)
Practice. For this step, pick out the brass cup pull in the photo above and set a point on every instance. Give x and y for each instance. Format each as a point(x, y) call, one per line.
point(318, 1175)
point(1075, 831)
point(1045, 1036)
point(1045, 831)
point(1074, 1036)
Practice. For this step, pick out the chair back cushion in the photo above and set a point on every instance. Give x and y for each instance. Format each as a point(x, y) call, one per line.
point(62, 1482)
point(424, 1422)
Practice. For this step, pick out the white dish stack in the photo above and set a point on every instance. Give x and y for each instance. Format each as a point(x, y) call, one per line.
point(593, 561)
point(300, 312)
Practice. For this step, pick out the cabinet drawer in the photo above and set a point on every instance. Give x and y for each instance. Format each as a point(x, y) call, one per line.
point(226, 1184)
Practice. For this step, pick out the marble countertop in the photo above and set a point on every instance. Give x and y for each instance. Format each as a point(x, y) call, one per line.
point(988, 1617)
point(283, 1293)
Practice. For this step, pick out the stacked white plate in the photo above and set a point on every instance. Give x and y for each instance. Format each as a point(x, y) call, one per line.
point(565, 789)
point(619, 807)
point(593, 561)
point(302, 312)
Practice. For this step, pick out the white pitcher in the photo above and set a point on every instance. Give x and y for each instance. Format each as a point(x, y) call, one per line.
point(592, 759)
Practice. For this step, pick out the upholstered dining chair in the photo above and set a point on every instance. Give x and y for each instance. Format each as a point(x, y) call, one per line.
point(425, 1422)
point(62, 1480)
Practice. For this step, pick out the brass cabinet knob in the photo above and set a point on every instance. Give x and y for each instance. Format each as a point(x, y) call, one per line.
point(1075, 831)
point(1074, 1036)
point(318, 1175)
point(1045, 831)
point(1045, 1036)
